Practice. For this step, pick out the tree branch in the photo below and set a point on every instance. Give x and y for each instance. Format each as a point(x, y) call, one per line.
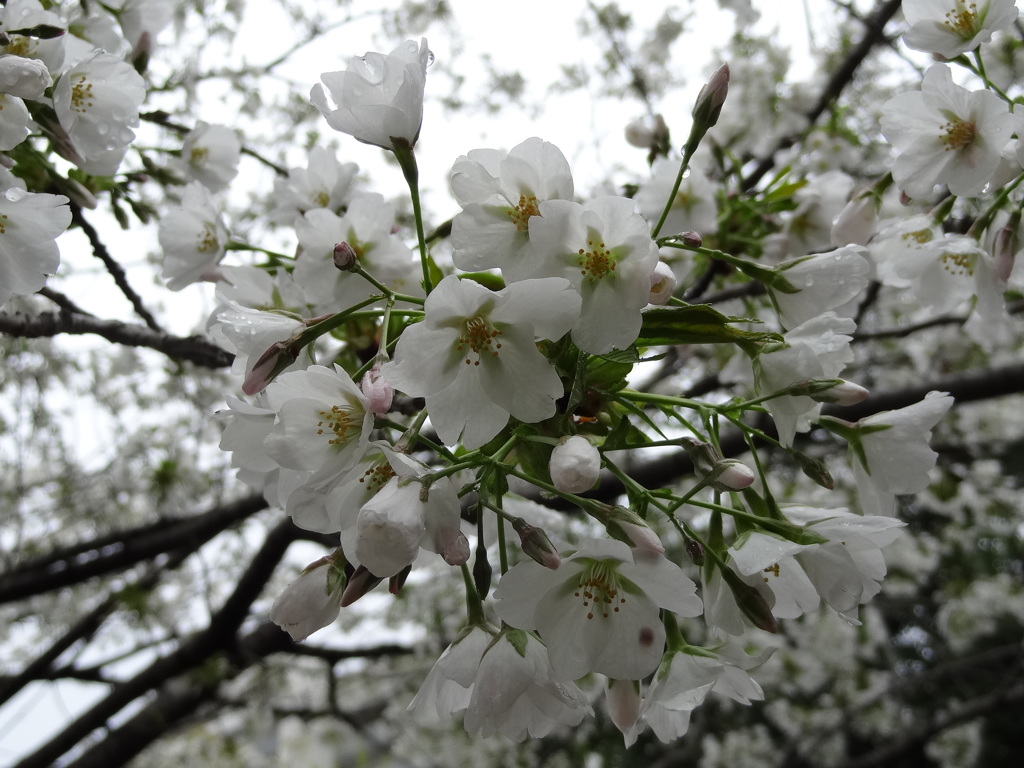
point(116, 270)
point(122, 550)
point(193, 653)
point(841, 77)
point(195, 349)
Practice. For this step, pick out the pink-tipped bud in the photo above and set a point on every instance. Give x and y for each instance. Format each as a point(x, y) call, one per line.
point(846, 393)
point(1005, 251)
point(379, 394)
point(345, 257)
point(708, 107)
point(731, 475)
point(622, 698)
point(663, 283)
point(271, 363)
point(396, 582)
point(536, 544)
point(456, 550)
point(575, 465)
point(691, 239)
point(625, 525)
point(361, 582)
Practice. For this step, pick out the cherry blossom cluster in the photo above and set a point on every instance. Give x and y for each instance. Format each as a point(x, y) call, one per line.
point(510, 363)
point(413, 400)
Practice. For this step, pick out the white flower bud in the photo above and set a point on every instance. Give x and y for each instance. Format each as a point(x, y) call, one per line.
point(575, 465)
point(856, 223)
point(389, 528)
point(24, 78)
point(663, 283)
point(732, 475)
point(305, 605)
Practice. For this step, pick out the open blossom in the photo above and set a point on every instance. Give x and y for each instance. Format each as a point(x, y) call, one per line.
point(29, 226)
point(249, 333)
point(684, 680)
point(605, 250)
point(322, 426)
point(97, 102)
point(448, 686)
point(816, 349)
point(952, 27)
point(499, 193)
point(379, 98)
point(193, 238)
point(324, 183)
point(366, 228)
point(210, 155)
point(945, 134)
point(599, 611)
point(516, 692)
point(890, 453)
point(822, 282)
point(475, 359)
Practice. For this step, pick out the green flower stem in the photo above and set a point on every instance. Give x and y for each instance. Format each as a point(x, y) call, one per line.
point(390, 295)
point(682, 402)
point(979, 70)
point(687, 153)
point(235, 245)
point(411, 436)
point(474, 607)
point(329, 323)
point(407, 160)
point(760, 434)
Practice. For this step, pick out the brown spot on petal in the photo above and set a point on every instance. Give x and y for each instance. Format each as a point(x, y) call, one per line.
point(646, 636)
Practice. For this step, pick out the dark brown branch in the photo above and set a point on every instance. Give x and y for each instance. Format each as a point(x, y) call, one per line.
point(195, 349)
point(193, 653)
point(122, 550)
point(874, 35)
point(116, 270)
point(84, 628)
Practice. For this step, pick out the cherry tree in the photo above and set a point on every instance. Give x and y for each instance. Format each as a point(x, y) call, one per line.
point(707, 453)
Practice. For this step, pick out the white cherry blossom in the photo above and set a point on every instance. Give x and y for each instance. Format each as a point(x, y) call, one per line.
point(97, 102)
point(193, 237)
point(379, 98)
point(516, 692)
point(825, 281)
point(604, 249)
point(945, 134)
point(210, 155)
point(952, 27)
point(475, 359)
point(29, 226)
point(816, 349)
point(448, 687)
point(499, 193)
point(598, 612)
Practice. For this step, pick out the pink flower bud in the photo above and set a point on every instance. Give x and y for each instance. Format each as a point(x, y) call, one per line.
point(575, 465)
point(732, 475)
point(663, 283)
point(626, 525)
point(271, 363)
point(622, 698)
point(691, 239)
point(361, 582)
point(537, 544)
point(379, 394)
point(846, 393)
point(345, 257)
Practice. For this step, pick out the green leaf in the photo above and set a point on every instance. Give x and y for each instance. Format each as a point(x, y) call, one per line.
point(696, 324)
